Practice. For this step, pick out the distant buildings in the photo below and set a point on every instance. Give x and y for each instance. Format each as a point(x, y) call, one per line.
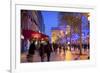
point(55, 35)
point(58, 35)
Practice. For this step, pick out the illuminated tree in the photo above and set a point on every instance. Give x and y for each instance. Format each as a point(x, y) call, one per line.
point(74, 20)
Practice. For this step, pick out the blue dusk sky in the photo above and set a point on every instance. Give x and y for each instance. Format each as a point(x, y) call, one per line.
point(50, 20)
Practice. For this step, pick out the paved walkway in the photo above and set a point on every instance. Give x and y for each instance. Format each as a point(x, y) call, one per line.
point(68, 55)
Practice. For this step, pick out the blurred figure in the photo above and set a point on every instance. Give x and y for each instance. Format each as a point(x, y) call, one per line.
point(25, 44)
point(48, 50)
point(31, 51)
point(55, 46)
point(42, 50)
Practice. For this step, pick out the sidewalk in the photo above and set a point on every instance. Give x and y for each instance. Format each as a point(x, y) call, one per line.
point(56, 56)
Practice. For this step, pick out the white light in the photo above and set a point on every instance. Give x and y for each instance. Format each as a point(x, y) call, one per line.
point(22, 37)
point(68, 42)
point(66, 32)
point(89, 18)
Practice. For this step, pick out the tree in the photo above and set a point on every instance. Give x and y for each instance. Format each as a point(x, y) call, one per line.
point(74, 21)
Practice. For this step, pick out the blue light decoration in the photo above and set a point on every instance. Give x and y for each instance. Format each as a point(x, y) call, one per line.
point(75, 36)
point(85, 27)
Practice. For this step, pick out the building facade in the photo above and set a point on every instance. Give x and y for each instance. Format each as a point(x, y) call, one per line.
point(30, 20)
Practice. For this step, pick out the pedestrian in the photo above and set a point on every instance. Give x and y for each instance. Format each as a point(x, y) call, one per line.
point(41, 51)
point(55, 47)
point(31, 51)
point(48, 50)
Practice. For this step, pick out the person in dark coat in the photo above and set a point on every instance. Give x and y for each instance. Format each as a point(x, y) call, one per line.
point(31, 51)
point(42, 51)
point(55, 47)
point(48, 50)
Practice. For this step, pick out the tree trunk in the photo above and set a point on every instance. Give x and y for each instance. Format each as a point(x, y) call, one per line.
point(80, 37)
point(70, 37)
